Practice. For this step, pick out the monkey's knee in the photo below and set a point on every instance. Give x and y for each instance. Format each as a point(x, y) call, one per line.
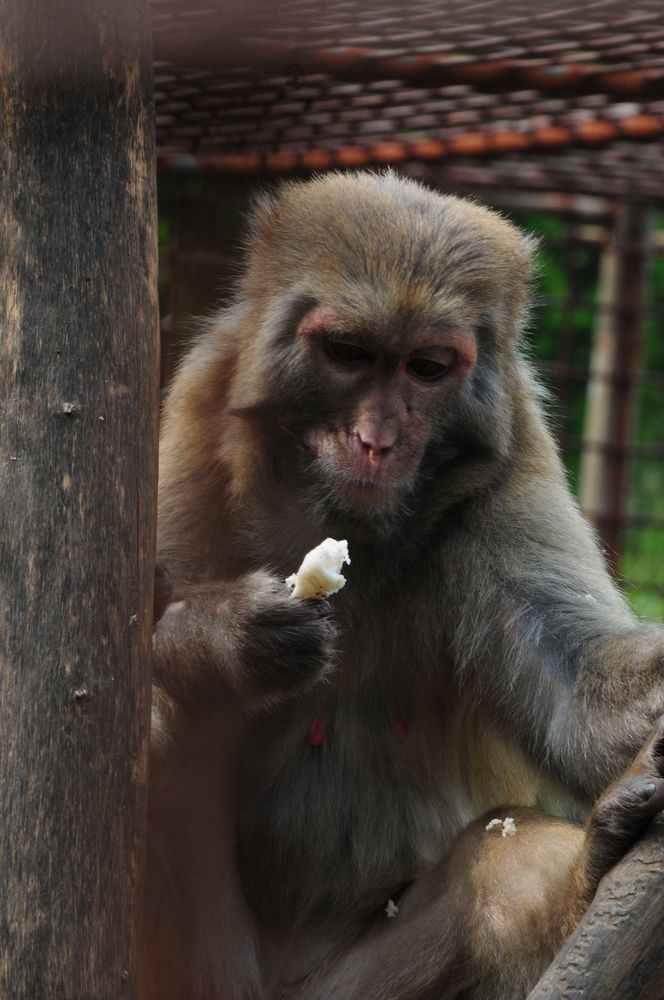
point(523, 895)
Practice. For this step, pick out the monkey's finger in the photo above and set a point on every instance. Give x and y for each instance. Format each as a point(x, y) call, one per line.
point(163, 591)
point(652, 797)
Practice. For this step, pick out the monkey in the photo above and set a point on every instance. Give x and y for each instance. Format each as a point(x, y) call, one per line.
point(323, 773)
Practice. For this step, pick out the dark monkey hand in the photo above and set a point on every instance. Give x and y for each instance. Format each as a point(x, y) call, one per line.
point(287, 643)
point(259, 641)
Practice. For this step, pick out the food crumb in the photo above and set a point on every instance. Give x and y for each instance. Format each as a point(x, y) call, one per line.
point(391, 909)
point(507, 826)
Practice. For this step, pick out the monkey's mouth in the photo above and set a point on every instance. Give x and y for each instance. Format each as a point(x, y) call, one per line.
point(366, 493)
point(349, 470)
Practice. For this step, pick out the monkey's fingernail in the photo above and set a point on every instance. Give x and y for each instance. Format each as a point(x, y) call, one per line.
point(646, 792)
point(324, 607)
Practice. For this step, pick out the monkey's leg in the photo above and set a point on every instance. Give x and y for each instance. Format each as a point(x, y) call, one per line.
point(488, 920)
point(493, 904)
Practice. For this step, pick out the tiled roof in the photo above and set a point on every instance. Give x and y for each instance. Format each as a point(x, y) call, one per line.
point(570, 97)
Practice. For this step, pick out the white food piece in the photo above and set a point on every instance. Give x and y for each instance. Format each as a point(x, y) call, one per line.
point(320, 573)
point(507, 826)
point(391, 909)
point(590, 599)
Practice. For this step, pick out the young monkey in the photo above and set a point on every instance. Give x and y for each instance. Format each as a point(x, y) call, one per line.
point(323, 775)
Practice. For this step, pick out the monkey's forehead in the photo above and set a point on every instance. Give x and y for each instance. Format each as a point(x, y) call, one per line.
point(359, 234)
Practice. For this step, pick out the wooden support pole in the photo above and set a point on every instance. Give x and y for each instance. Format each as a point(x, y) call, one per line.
point(616, 951)
point(78, 457)
point(612, 388)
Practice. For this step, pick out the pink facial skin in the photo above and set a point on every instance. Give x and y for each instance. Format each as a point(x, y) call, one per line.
point(379, 448)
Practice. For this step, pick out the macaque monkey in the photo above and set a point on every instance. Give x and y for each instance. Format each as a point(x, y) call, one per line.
point(323, 773)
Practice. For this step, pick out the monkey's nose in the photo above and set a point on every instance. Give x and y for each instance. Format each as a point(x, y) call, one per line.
point(376, 438)
point(372, 450)
point(375, 454)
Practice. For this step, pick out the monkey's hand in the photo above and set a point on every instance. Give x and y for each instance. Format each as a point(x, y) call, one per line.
point(625, 809)
point(248, 637)
point(163, 591)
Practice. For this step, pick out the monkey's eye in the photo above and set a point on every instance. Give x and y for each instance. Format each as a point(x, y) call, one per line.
point(346, 353)
point(427, 370)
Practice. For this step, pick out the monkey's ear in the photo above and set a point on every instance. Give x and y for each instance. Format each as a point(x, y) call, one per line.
point(529, 246)
point(262, 215)
point(526, 295)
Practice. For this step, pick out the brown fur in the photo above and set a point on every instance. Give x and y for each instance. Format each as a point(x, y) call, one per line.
point(478, 608)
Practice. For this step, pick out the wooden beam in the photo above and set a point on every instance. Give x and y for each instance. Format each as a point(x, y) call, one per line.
point(78, 456)
point(222, 41)
point(479, 144)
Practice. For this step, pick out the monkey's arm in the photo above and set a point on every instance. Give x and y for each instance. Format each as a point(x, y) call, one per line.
point(549, 640)
point(247, 639)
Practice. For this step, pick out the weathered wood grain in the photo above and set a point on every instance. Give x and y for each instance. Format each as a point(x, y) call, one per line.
point(78, 436)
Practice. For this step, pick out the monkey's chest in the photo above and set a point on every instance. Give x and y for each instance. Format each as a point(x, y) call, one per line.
point(339, 807)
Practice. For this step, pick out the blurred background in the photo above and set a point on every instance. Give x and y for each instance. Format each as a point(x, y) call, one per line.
point(552, 113)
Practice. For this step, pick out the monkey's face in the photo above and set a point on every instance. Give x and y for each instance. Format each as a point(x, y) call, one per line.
point(382, 402)
point(386, 318)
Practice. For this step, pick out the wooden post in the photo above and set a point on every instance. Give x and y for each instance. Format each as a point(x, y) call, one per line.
point(616, 951)
point(612, 388)
point(594, 473)
point(78, 455)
